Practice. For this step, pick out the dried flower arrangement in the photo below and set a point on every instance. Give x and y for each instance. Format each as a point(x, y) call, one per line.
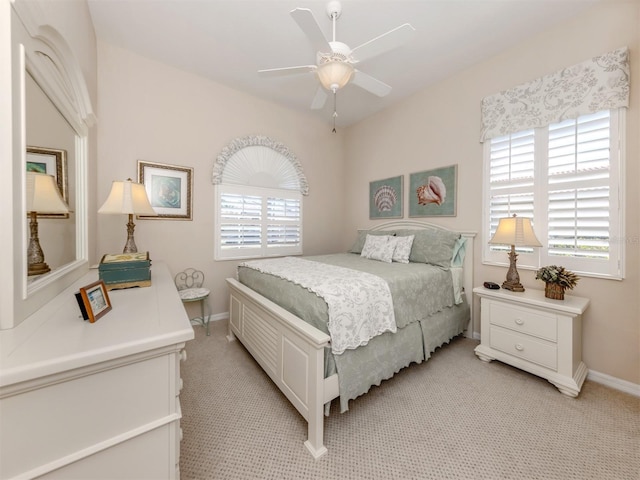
point(556, 279)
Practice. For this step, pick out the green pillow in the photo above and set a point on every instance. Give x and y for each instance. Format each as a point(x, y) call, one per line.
point(431, 246)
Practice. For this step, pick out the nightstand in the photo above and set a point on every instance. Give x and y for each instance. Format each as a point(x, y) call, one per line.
point(534, 333)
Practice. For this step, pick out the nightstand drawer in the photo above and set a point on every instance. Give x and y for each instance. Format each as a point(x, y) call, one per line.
point(523, 346)
point(525, 320)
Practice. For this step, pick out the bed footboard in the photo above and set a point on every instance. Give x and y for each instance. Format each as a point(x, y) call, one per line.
point(290, 351)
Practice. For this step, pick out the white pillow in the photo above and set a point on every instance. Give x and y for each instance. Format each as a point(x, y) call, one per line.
point(403, 249)
point(379, 247)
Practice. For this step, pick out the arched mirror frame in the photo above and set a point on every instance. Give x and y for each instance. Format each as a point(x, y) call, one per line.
point(40, 50)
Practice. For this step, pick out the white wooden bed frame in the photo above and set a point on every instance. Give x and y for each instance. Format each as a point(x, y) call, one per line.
point(291, 351)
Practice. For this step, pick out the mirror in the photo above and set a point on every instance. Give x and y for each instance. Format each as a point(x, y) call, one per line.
point(51, 150)
point(50, 109)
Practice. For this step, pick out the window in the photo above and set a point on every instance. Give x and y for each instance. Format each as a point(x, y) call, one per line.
point(257, 222)
point(567, 178)
point(259, 184)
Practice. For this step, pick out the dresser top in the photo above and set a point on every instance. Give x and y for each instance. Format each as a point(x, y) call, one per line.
point(56, 339)
point(536, 298)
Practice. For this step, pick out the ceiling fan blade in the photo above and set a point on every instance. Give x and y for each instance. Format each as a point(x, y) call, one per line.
point(383, 43)
point(320, 98)
point(307, 22)
point(370, 84)
point(287, 70)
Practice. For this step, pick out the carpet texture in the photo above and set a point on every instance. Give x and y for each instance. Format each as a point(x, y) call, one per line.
point(452, 417)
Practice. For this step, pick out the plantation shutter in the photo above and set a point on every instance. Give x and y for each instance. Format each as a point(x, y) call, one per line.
point(257, 222)
point(283, 221)
point(511, 179)
point(240, 220)
point(578, 187)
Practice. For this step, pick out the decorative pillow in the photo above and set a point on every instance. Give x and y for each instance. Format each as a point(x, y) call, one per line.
point(362, 236)
point(403, 249)
point(379, 247)
point(431, 246)
point(459, 250)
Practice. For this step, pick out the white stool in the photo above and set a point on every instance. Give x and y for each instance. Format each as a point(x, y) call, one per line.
point(189, 285)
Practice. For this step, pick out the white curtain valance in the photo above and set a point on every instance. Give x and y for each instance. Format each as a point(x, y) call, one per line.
point(601, 83)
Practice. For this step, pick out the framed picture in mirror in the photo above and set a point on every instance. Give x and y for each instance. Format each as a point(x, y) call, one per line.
point(52, 162)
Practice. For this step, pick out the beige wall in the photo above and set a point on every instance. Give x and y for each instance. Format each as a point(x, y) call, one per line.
point(441, 126)
point(149, 111)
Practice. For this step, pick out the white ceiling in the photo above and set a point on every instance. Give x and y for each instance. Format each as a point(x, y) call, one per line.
point(229, 40)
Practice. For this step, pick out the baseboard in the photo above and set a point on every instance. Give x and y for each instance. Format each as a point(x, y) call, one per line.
point(219, 316)
point(615, 383)
point(602, 378)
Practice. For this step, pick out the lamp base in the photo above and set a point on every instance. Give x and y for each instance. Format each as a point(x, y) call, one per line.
point(513, 286)
point(130, 246)
point(512, 281)
point(38, 269)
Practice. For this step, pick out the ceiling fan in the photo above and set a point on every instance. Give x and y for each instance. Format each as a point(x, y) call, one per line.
point(335, 61)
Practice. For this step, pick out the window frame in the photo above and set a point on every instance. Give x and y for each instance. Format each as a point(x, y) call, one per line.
point(264, 250)
point(534, 258)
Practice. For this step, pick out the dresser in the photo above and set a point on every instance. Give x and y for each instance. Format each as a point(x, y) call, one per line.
point(534, 333)
point(83, 400)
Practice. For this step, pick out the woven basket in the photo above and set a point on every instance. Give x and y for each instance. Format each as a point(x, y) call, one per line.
point(554, 291)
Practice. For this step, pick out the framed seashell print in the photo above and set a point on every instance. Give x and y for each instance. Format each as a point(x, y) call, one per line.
point(385, 198)
point(432, 193)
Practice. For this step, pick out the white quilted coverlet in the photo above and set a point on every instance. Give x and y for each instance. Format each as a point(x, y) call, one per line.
point(359, 304)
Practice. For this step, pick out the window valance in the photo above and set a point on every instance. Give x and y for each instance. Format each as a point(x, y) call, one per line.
point(259, 161)
point(600, 83)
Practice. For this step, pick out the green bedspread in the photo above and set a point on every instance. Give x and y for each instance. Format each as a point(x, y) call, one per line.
point(423, 302)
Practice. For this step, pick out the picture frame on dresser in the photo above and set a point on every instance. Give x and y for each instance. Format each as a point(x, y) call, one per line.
point(93, 300)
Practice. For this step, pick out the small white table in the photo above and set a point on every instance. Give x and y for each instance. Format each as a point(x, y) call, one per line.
point(534, 333)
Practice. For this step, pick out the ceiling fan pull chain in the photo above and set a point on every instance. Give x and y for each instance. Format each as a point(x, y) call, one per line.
point(335, 112)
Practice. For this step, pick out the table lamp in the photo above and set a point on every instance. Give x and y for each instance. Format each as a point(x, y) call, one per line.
point(128, 198)
point(517, 232)
point(43, 196)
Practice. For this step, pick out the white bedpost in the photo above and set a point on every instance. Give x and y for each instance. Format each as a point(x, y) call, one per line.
point(315, 441)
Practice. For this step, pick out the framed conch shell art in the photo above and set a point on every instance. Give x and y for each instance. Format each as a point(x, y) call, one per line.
point(433, 192)
point(385, 198)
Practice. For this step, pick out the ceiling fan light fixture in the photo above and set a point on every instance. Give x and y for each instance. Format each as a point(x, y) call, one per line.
point(334, 75)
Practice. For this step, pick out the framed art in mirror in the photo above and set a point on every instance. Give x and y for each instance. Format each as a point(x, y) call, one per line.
point(52, 162)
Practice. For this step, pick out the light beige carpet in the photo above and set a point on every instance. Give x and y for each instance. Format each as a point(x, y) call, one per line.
point(453, 417)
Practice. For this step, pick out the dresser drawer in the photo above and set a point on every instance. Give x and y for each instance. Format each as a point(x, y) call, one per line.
point(525, 320)
point(526, 347)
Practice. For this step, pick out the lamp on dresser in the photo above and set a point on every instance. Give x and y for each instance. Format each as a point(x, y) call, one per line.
point(43, 196)
point(517, 232)
point(128, 198)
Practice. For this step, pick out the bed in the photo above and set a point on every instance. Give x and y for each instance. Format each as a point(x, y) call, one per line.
point(285, 326)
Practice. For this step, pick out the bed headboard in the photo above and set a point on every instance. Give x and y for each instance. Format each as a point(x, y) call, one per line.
point(468, 259)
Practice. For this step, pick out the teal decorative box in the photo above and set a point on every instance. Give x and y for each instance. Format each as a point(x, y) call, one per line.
point(125, 270)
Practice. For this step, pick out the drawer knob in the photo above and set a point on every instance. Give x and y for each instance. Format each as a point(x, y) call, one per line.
point(183, 355)
point(519, 321)
point(519, 347)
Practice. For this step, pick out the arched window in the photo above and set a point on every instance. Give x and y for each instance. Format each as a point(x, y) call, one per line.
point(259, 186)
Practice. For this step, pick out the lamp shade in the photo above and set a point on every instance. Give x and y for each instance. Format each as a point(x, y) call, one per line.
point(43, 195)
point(334, 74)
point(127, 197)
point(515, 231)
